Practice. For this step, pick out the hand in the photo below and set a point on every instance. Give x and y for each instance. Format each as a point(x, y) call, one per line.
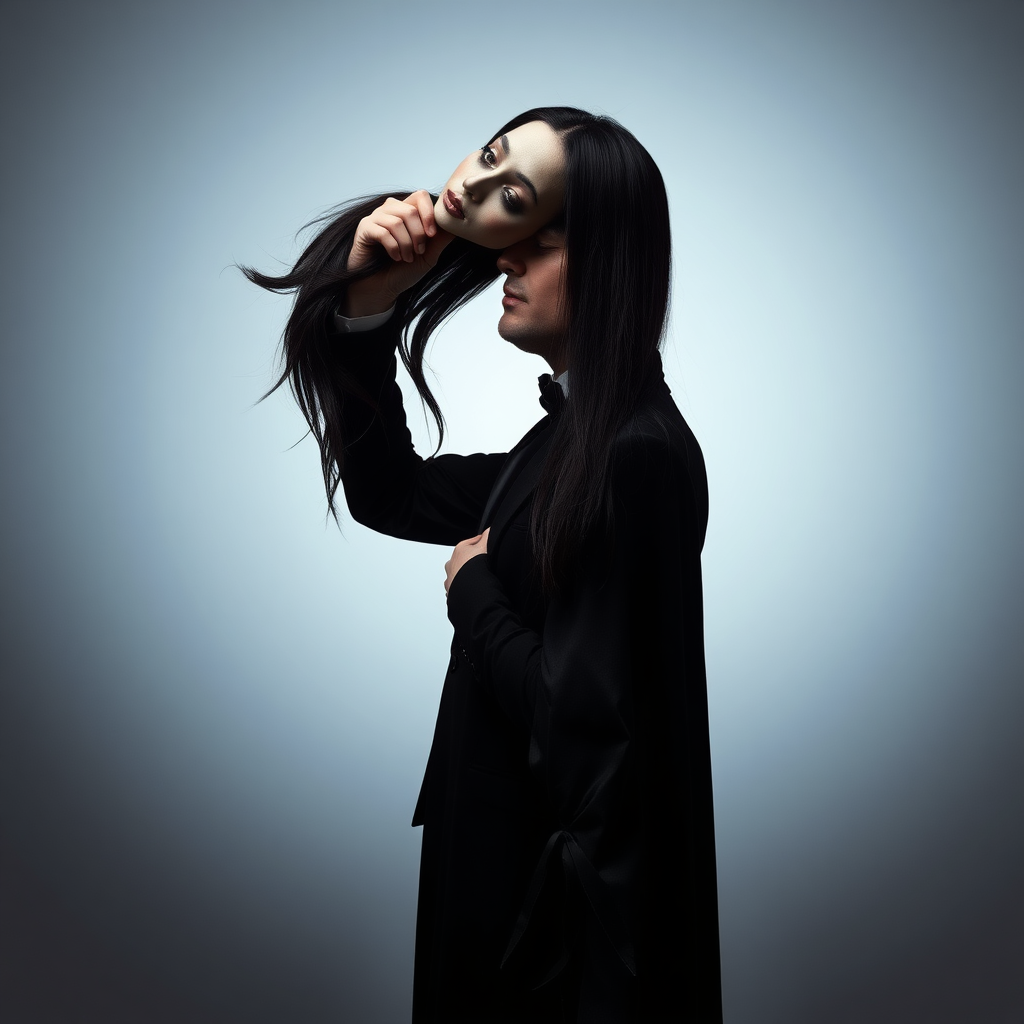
point(408, 232)
point(464, 551)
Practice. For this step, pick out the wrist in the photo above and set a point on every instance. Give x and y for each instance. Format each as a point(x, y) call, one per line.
point(363, 299)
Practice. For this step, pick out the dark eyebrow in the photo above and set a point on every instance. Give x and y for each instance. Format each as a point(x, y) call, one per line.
point(522, 177)
point(529, 184)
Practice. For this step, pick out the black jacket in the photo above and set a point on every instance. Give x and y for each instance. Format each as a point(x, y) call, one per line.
point(568, 864)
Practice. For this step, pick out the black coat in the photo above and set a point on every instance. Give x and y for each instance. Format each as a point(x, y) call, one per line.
point(568, 862)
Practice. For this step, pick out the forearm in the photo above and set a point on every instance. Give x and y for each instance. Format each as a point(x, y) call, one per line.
point(379, 462)
point(570, 687)
point(505, 653)
point(387, 485)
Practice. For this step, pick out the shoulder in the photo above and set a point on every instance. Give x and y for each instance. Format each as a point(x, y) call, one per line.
point(656, 459)
point(658, 439)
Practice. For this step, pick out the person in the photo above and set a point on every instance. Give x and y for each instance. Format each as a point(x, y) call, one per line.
point(568, 858)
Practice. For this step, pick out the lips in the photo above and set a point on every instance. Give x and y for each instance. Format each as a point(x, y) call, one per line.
point(453, 204)
point(511, 299)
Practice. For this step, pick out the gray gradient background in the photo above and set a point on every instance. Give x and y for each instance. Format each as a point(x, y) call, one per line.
point(216, 708)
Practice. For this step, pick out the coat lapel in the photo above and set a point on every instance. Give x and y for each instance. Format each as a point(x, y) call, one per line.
point(515, 460)
point(520, 488)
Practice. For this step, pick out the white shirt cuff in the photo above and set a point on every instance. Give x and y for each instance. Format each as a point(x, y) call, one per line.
point(358, 324)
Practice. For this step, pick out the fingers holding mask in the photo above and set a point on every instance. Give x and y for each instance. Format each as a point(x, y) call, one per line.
point(404, 227)
point(423, 226)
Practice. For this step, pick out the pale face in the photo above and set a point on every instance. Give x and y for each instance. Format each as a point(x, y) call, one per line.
point(506, 191)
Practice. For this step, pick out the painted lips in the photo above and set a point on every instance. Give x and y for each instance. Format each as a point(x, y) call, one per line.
point(453, 204)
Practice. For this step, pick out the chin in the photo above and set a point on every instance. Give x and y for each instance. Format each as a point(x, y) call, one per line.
point(470, 233)
point(459, 228)
point(518, 335)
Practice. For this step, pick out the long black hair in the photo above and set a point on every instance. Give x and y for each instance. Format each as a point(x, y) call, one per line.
point(618, 256)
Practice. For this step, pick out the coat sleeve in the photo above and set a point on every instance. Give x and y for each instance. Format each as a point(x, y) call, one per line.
point(603, 690)
point(388, 486)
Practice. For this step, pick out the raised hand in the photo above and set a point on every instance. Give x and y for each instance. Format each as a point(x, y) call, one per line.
point(407, 231)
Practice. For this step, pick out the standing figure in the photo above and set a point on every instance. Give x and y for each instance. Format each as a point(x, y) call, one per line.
point(568, 855)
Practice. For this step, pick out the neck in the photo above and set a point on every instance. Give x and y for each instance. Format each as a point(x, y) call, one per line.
point(557, 363)
point(555, 357)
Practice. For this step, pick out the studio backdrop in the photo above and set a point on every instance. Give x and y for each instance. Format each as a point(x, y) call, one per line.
point(217, 704)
